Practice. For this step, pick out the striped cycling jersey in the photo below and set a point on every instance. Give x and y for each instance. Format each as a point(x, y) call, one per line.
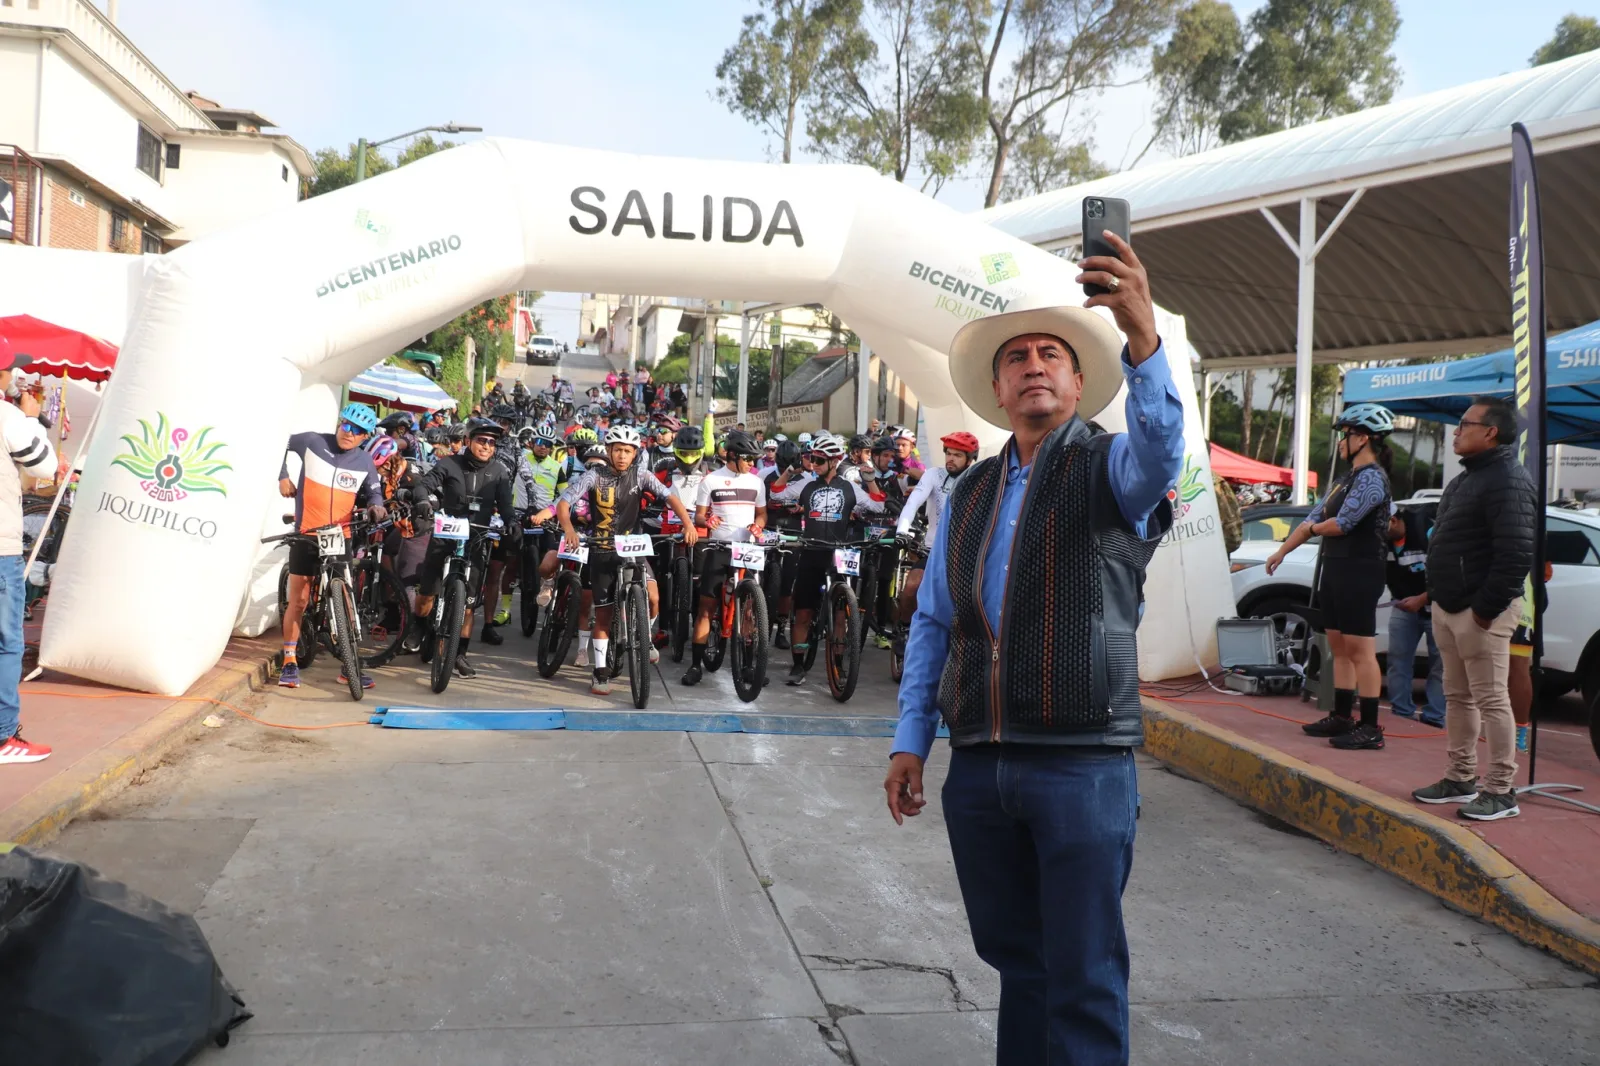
point(332, 483)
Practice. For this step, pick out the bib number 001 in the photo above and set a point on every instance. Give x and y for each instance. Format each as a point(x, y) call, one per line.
point(633, 546)
point(847, 561)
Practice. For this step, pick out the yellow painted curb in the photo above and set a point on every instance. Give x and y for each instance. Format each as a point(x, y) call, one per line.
point(40, 815)
point(1432, 853)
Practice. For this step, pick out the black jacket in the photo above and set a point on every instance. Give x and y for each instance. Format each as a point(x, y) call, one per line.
point(469, 489)
point(1481, 548)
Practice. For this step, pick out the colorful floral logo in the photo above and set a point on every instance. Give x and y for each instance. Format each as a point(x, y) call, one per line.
point(170, 462)
point(1190, 487)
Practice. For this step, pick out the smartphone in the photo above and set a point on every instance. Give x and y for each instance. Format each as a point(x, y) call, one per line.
point(1101, 213)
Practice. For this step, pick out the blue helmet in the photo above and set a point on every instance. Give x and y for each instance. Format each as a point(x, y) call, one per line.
point(359, 414)
point(1369, 417)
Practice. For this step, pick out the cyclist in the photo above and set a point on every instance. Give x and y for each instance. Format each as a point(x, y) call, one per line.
point(785, 517)
point(400, 426)
point(335, 477)
point(907, 464)
point(473, 485)
point(828, 504)
point(666, 440)
point(732, 505)
point(614, 493)
point(960, 452)
point(769, 458)
point(884, 477)
point(438, 444)
point(593, 458)
point(681, 473)
point(519, 396)
point(860, 461)
point(526, 496)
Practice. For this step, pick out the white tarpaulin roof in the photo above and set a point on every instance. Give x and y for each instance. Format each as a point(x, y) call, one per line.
point(1419, 263)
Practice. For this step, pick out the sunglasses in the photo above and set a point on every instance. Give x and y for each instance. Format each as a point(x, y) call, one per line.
point(485, 439)
point(352, 429)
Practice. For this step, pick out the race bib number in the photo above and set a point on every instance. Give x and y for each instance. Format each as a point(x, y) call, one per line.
point(749, 556)
point(847, 561)
point(581, 555)
point(633, 546)
point(330, 541)
point(447, 528)
point(769, 537)
point(878, 532)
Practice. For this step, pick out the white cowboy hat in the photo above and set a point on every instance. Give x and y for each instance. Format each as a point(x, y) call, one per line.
point(1095, 340)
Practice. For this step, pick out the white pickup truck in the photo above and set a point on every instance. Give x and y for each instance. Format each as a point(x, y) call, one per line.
point(543, 351)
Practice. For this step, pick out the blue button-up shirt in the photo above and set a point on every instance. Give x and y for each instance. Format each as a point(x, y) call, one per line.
point(1144, 463)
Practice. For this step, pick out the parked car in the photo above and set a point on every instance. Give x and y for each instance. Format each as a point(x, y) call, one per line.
point(543, 351)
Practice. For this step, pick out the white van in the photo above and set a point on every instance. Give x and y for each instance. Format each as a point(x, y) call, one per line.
point(543, 351)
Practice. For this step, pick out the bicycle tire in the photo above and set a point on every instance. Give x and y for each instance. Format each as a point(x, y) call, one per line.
point(749, 651)
point(843, 660)
point(449, 636)
point(560, 623)
point(638, 651)
point(342, 633)
point(897, 659)
point(311, 635)
point(716, 647)
point(528, 600)
point(378, 592)
point(867, 598)
point(39, 507)
point(682, 612)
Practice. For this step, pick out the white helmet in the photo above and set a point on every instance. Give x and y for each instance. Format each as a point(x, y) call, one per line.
point(902, 433)
point(622, 435)
point(805, 438)
point(830, 446)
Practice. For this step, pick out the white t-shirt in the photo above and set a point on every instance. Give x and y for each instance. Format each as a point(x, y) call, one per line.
point(733, 498)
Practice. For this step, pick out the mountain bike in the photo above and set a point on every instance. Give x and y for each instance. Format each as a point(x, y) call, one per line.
point(630, 623)
point(382, 613)
point(331, 613)
point(528, 576)
point(879, 540)
point(460, 588)
point(561, 614)
point(739, 619)
point(677, 596)
point(837, 624)
point(899, 630)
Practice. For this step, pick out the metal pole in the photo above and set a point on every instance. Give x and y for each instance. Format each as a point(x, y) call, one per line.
point(361, 159)
point(1205, 383)
point(1303, 343)
point(633, 339)
point(744, 364)
point(863, 381)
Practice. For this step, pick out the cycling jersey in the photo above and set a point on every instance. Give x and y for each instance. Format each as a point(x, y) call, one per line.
point(333, 483)
point(526, 493)
point(930, 494)
point(827, 507)
point(614, 500)
point(733, 500)
point(784, 515)
point(549, 472)
point(684, 484)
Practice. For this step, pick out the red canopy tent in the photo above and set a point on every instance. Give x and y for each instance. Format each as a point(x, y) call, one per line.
point(1235, 467)
point(56, 350)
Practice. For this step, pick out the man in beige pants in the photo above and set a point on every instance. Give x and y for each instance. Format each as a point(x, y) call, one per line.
point(1478, 557)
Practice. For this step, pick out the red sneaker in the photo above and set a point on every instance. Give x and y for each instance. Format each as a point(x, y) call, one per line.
point(18, 750)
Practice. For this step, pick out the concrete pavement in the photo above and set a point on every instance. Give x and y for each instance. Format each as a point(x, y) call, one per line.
point(403, 898)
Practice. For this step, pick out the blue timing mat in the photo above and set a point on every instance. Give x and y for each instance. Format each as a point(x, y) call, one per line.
point(524, 718)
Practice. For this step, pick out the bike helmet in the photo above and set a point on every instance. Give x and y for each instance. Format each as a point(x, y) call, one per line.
point(960, 442)
point(360, 415)
point(829, 447)
point(788, 455)
point(806, 438)
point(485, 427)
point(457, 431)
point(525, 436)
point(382, 449)
point(438, 435)
point(595, 455)
point(505, 413)
point(883, 444)
point(400, 420)
point(669, 422)
point(545, 436)
point(584, 435)
point(1368, 417)
point(902, 433)
point(740, 444)
point(623, 434)
point(859, 442)
point(689, 444)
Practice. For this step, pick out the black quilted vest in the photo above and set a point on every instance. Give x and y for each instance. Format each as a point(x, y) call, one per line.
point(1063, 667)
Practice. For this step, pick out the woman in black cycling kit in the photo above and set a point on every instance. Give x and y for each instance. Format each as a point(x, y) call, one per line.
point(1353, 522)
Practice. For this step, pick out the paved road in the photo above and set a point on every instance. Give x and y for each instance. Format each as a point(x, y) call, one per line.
point(585, 899)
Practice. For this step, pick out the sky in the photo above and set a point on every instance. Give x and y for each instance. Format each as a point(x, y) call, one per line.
point(630, 75)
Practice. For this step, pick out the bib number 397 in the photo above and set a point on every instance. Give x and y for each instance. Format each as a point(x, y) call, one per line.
point(749, 556)
point(847, 561)
point(330, 541)
point(633, 546)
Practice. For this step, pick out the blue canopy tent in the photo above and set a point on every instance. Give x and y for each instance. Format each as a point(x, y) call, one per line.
point(1441, 392)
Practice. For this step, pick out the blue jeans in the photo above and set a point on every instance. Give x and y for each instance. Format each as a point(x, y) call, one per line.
point(1406, 630)
point(1043, 842)
point(13, 596)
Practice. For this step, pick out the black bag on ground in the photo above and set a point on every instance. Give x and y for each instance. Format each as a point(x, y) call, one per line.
point(93, 973)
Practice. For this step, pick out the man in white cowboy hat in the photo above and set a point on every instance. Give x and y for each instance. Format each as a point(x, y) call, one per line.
point(1038, 679)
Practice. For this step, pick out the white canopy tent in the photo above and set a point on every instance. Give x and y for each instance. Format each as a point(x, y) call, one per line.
point(1416, 191)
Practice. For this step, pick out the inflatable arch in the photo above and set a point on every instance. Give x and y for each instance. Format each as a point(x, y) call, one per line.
point(236, 337)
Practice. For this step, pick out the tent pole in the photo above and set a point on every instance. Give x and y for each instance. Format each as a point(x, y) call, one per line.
point(1303, 339)
point(863, 381)
point(1206, 416)
point(744, 363)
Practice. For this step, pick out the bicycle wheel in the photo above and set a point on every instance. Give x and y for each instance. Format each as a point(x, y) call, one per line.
point(560, 623)
point(716, 647)
point(341, 608)
point(897, 657)
point(448, 633)
point(384, 614)
point(868, 596)
point(749, 640)
point(843, 660)
point(682, 610)
point(528, 600)
point(638, 650)
point(311, 635)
